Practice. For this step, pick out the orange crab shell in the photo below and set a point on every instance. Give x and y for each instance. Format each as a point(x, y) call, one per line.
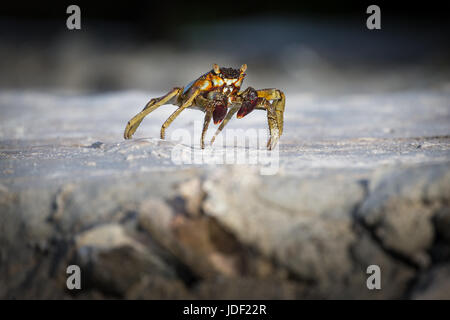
point(213, 82)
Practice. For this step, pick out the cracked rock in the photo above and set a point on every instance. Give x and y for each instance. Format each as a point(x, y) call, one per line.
point(114, 262)
point(434, 285)
point(287, 220)
point(400, 207)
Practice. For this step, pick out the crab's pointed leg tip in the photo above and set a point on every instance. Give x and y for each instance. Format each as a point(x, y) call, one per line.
point(273, 145)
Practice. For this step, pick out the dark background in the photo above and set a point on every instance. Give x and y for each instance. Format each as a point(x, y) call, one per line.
point(162, 18)
point(315, 45)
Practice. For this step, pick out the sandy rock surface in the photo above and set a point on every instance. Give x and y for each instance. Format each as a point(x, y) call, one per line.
point(357, 180)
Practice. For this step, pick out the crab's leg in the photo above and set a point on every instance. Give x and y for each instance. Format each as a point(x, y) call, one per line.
point(275, 113)
point(272, 120)
point(172, 117)
point(208, 116)
point(279, 101)
point(279, 110)
point(227, 118)
point(152, 105)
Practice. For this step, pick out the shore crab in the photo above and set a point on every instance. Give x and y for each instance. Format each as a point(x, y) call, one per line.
point(217, 94)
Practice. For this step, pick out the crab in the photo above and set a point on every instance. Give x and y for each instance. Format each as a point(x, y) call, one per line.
point(217, 93)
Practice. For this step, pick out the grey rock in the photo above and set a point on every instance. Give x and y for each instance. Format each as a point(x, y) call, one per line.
point(286, 219)
point(250, 288)
point(401, 203)
point(434, 284)
point(200, 243)
point(442, 222)
point(349, 192)
point(396, 276)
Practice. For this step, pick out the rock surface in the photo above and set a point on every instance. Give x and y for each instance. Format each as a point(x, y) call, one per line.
point(357, 181)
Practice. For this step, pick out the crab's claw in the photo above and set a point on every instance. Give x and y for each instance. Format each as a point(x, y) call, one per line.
point(249, 103)
point(246, 108)
point(219, 113)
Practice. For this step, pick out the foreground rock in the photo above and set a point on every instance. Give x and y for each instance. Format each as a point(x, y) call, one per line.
point(417, 197)
point(141, 226)
point(255, 237)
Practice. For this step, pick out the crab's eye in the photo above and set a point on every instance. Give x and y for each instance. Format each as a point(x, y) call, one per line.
point(216, 69)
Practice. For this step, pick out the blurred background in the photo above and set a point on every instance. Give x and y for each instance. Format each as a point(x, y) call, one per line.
point(306, 46)
point(358, 101)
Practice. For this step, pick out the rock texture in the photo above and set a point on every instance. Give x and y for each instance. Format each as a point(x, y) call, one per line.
point(141, 227)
